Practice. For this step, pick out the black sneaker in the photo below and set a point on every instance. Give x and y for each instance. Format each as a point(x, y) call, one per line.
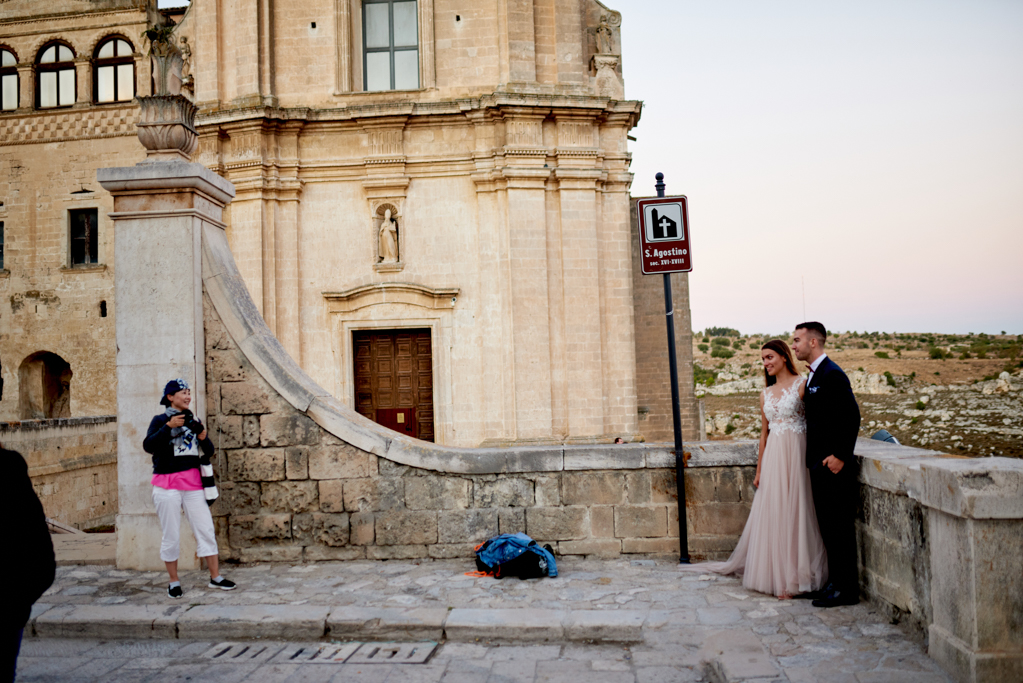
point(174, 592)
point(223, 584)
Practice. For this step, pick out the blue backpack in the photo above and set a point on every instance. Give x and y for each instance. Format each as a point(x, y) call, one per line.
point(515, 555)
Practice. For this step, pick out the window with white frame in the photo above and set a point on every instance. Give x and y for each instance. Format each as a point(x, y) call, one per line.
point(114, 75)
point(8, 80)
point(390, 39)
point(55, 76)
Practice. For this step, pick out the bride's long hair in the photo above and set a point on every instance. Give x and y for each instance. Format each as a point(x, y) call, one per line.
point(783, 350)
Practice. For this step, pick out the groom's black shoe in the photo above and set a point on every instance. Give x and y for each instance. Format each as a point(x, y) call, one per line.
point(835, 597)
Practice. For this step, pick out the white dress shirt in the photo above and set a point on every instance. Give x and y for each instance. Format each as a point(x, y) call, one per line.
point(814, 365)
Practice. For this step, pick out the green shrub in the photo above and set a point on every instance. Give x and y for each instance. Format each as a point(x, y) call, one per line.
point(920, 405)
point(881, 354)
point(703, 376)
point(737, 344)
point(721, 352)
point(703, 347)
point(729, 428)
point(936, 353)
point(706, 340)
point(890, 378)
point(722, 341)
point(721, 332)
point(964, 355)
point(754, 344)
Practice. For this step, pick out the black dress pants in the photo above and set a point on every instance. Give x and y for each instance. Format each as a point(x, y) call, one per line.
point(10, 644)
point(835, 500)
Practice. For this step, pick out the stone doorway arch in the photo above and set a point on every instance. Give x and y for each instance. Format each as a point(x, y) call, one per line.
point(44, 387)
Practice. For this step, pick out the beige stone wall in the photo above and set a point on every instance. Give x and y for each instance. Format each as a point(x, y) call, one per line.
point(294, 492)
point(652, 376)
point(72, 464)
point(534, 245)
point(47, 159)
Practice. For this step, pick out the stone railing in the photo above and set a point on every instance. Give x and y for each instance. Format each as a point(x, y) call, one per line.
point(73, 466)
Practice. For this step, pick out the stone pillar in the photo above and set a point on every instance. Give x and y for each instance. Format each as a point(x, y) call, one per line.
point(160, 211)
point(976, 546)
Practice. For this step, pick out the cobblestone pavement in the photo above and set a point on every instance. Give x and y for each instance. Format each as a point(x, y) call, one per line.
point(696, 627)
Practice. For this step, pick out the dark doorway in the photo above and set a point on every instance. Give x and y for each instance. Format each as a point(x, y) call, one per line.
point(45, 387)
point(394, 380)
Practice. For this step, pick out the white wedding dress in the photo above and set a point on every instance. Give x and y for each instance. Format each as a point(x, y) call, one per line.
point(781, 551)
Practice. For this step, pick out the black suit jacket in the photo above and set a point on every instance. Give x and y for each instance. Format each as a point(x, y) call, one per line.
point(832, 415)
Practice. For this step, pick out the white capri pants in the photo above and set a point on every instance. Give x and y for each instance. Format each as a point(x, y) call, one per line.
point(169, 504)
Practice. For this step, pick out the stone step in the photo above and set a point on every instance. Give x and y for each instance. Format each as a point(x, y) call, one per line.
point(312, 622)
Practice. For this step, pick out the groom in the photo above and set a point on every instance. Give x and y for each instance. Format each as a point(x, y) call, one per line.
point(832, 424)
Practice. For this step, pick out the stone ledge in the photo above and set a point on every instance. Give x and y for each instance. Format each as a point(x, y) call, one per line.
point(58, 423)
point(283, 622)
point(313, 622)
point(971, 488)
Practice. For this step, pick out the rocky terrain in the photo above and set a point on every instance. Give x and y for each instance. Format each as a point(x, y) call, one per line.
point(961, 394)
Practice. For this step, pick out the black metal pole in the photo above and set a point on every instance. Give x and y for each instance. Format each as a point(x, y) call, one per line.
point(676, 417)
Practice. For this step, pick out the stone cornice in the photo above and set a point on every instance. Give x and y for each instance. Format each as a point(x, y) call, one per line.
point(407, 293)
point(74, 21)
point(501, 103)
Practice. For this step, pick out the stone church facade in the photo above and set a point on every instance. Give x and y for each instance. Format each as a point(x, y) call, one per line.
point(432, 211)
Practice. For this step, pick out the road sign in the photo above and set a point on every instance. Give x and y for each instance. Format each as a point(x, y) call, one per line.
point(664, 235)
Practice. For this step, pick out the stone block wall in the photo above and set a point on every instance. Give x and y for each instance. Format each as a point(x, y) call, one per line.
point(73, 466)
point(292, 491)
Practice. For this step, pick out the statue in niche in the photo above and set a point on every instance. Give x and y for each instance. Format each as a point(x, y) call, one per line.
point(388, 239)
point(187, 80)
point(605, 37)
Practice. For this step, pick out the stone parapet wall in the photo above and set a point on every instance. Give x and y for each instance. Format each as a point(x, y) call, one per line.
point(73, 466)
point(292, 491)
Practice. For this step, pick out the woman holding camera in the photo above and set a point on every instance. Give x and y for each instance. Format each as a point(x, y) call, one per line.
point(179, 445)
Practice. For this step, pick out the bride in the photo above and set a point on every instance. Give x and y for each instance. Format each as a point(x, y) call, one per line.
point(780, 551)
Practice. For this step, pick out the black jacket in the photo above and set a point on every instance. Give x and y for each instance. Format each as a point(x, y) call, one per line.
point(29, 570)
point(832, 415)
point(158, 442)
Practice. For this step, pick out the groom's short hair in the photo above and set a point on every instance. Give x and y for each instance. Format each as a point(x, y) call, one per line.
point(816, 329)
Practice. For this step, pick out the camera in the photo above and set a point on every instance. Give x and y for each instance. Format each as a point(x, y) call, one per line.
point(191, 422)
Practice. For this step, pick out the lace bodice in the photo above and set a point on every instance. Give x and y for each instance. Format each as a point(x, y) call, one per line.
point(785, 413)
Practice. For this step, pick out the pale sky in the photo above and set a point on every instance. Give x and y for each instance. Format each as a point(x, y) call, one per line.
point(873, 148)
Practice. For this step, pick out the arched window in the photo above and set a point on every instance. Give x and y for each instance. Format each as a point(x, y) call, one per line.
point(55, 76)
point(8, 80)
point(114, 72)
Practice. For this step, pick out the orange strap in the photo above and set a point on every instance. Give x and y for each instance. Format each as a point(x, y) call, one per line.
point(479, 575)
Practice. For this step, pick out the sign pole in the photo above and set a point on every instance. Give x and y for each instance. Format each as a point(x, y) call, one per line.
point(676, 418)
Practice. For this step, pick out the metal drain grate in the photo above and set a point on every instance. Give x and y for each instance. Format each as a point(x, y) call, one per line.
point(393, 653)
point(316, 653)
point(241, 652)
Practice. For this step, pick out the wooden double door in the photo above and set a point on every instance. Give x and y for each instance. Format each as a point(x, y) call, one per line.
point(394, 380)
